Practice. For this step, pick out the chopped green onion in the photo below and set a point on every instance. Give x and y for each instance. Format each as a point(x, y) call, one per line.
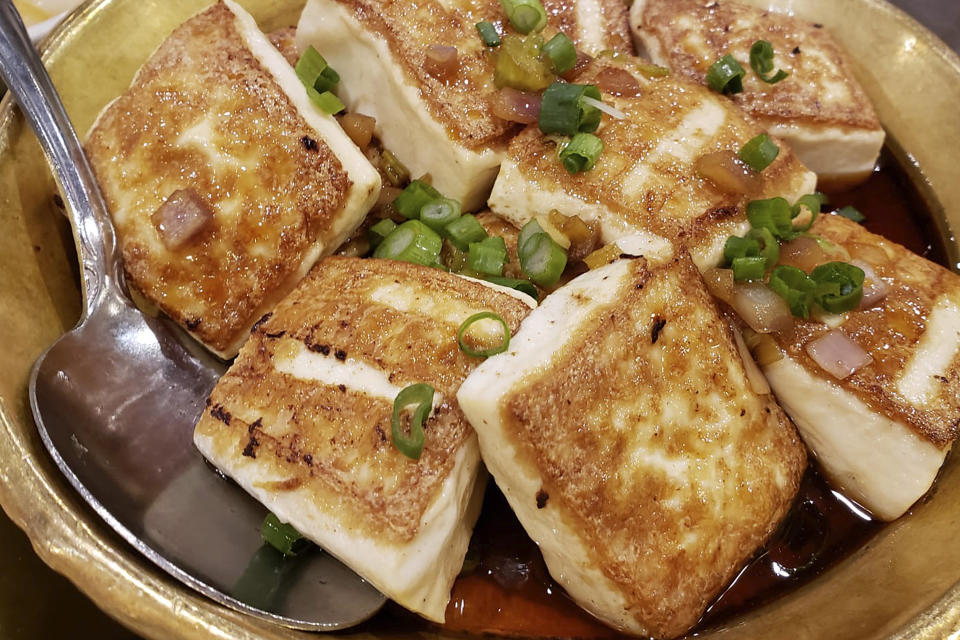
point(413, 242)
point(726, 75)
point(561, 52)
point(794, 286)
point(812, 202)
point(851, 213)
point(525, 15)
point(749, 268)
point(523, 286)
point(839, 286)
point(483, 353)
point(520, 66)
point(440, 212)
point(282, 536)
point(397, 172)
point(421, 395)
point(488, 256)
point(648, 70)
point(411, 200)
point(581, 153)
point(769, 247)
point(314, 71)
point(527, 231)
point(379, 232)
point(562, 111)
point(543, 260)
point(761, 61)
point(488, 33)
point(463, 231)
point(737, 247)
point(328, 103)
point(775, 215)
point(759, 152)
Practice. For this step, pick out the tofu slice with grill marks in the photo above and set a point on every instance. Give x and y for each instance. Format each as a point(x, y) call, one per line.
point(882, 433)
point(623, 431)
point(820, 110)
point(444, 127)
point(218, 111)
point(302, 420)
point(645, 181)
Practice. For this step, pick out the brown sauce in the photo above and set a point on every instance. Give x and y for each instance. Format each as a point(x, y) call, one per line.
point(505, 589)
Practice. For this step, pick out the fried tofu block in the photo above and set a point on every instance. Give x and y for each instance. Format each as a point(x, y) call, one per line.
point(443, 126)
point(646, 180)
point(624, 433)
point(882, 433)
point(302, 420)
point(225, 183)
point(820, 110)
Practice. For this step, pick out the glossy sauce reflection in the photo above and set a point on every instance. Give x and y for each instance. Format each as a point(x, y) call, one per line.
point(505, 588)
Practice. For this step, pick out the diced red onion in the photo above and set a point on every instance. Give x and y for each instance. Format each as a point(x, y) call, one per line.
point(618, 82)
point(441, 61)
point(184, 214)
point(727, 173)
point(762, 309)
point(838, 354)
point(720, 283)
point(516, 106)
point(874, 289)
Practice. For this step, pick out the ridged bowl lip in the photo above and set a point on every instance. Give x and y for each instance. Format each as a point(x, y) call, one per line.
point(172, 610)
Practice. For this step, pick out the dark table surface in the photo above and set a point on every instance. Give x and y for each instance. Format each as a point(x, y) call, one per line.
point(47, 606)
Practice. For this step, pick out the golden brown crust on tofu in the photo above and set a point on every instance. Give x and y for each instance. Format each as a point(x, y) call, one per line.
point(613, 23)
point(640, 175)
point(335, 440)
point(194, 118)
point(652, 446)
point(285, 42)
point(890, 331)
point(694, 34)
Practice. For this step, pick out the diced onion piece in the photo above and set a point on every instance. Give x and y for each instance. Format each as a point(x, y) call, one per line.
point(618, 82)
point(803, 253)
point(516, 106)
point(181, 217)
point(728, 173)
point(547, 225)
point(719, 283)
point(763, 347)
point(762, 309)
point(602, 256)
point(611, 111)
point(838, 354)
point(874, 289)
point(358, 128)
point(441, 61)
point(758, 382)
point(583, 236)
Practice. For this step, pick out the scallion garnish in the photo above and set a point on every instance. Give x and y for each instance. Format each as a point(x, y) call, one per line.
point(327, 101)
point(751, 255)
point(839, 286)
point(542, 259)
point(380, 231)
point(759, 152)
point(527, 231)
point(483, 353)
point(812, 203)
point(775, 215)
point(282, 536)
point(851, 213)
point(561, 52)
point(523, 286)
point(488, 33)
point(749, 268)
point(464, 230)
point(439, 212)
point(761, 61)
point(413, 242)
point(420, 395)
point(525, 15)
point(314, 71)
point(581, 153)
point(487, 256)
point(794, 286)
point(411, 200)
point(562, 111)
point(726, 75)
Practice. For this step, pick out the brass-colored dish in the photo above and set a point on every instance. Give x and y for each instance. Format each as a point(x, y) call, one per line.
point(902, 584)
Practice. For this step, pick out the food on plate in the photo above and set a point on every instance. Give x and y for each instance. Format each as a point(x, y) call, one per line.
point(622, 427)
point(669, 165)
point(423, 71)
point(306, 419)
point(818, 107)
point(884, 376)
point(225, 183)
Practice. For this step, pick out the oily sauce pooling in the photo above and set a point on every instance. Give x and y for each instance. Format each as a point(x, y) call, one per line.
point(505, 588)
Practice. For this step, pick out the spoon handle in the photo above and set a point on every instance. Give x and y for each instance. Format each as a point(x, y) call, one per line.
point(26, 78)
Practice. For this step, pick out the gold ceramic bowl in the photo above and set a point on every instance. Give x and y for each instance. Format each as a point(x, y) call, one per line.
point(902, 584)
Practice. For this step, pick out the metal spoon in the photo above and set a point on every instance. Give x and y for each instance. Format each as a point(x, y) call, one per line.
point(115, 401)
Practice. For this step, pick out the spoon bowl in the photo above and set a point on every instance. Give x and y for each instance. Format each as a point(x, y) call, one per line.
point(115, 401)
